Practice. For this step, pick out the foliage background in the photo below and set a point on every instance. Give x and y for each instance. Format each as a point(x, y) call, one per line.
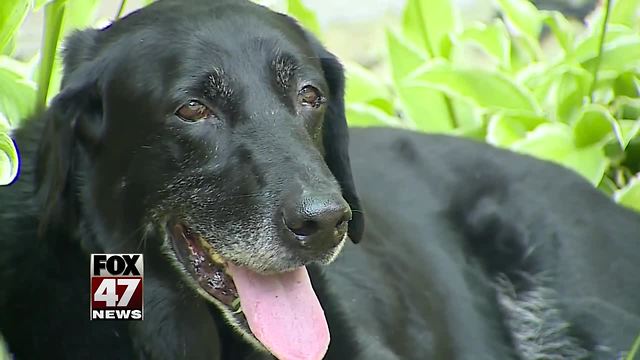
point(528, 80)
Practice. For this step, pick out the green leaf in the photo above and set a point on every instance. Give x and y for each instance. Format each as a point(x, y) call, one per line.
point(37, 4)
point(620, 55)
point(429, 23)
point(629, 196)
point(630, 129)
point(587, 49)
point(554, 142)
point(625, 85)
point(365, 115)
point(595, 126)
point(17, 96)
point(363, 85)
point(625, 107)
point(561, 29)
point(523, 16)
point(625, 12)
point(8, 160)
point(424, 108)
point(561, 90)
point(305, 16)
point(62, 17)
point(506, 128)
point(404, 58)
point(489, 90)
point(493, 40)
point(12, 13)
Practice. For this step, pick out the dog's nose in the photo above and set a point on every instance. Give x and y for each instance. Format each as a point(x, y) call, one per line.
point(319, 220)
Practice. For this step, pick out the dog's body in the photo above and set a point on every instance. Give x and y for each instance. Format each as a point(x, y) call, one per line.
point(469, 252)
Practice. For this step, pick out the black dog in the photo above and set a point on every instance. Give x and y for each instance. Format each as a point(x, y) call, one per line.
point(211, 136)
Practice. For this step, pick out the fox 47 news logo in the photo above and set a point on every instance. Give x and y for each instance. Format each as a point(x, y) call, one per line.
point(116, 287)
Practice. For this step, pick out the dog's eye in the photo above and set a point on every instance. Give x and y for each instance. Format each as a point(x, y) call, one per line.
point(310, 96)
point(194, 111)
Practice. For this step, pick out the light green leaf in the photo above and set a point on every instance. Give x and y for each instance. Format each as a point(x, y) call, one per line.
point(488, 90)
point(17, 96)
point(12, 13)
point(635, 348)
point(8, 160)
point(506, 128)
point(37, 4)
point(76, 14)
point(625, 12)
point(425, 108)
point(596, 126)
point(363, 85)
point(493, 40)
point(625, 107)
point(523, 17)
point(429, 23)
point(403, 57)
point(587, 49)
point(365, 115)
point(305, 16)
point(630, 129)
point(620, 55)
point(4, 124)
point(617, 58)
point(625, 86)
point(554, 142)
point(629, 196)
point(561, 90)
point(561, 29)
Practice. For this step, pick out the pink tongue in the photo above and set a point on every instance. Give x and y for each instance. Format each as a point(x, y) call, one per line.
point(283, 312)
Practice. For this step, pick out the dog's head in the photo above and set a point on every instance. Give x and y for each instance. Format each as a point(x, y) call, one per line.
point(212, 130)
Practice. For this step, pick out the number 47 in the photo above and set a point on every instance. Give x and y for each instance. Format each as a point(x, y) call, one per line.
point(106, 291)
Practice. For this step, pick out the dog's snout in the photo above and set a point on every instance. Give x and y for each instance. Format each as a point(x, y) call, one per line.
point(317, 220)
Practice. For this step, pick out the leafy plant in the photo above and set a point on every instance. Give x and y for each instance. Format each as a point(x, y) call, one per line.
point(26, 87)
point(570, 96)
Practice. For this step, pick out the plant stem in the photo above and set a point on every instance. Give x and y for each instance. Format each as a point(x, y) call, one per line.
point(123, 4)
point(447, 101)
point(603, 34)
point(53, 15)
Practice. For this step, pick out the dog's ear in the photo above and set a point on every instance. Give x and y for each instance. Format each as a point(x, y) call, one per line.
point(336, 138)
point(73, 117)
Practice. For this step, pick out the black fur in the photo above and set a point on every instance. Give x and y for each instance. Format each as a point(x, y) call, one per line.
point(460, 236)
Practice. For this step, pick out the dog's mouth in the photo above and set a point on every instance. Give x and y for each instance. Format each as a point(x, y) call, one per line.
point(206, 267)
point(280, 311)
